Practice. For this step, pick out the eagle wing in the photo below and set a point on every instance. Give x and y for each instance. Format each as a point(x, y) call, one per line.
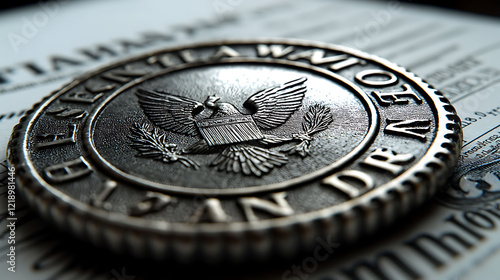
point(170, 112)
point(274, 106)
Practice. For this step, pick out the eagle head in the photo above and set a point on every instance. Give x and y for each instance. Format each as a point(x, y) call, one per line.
point(211, 100)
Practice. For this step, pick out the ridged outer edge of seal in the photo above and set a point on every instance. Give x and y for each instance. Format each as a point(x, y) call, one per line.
point(348, 222)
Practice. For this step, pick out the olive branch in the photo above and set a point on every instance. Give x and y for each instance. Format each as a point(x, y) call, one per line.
point(317, 119)
point(151, 142)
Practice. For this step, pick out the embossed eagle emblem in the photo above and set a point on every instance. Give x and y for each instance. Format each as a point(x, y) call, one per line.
point(239, 139)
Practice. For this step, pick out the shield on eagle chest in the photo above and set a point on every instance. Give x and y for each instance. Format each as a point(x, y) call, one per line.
point(229, 130)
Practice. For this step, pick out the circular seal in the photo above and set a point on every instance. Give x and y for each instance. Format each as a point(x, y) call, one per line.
point(235, 149)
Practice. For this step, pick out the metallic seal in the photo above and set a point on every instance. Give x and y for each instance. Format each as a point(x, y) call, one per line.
point(235, 149)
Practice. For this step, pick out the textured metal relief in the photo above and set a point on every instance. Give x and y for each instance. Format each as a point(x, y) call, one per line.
point(239, 140)
point(217, 151)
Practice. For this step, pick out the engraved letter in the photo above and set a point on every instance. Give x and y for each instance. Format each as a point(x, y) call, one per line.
point(66, 112)
point(391, 78)
point(88, 96)
point(66, 171)
point(165, 60)
point(99, 199)
point(56, 140)
point(153, 202)
point(316, 57)
point(168, 59)
point(187, 56)
point(226, 51)
point(338, 179)
point(411, 128)
point(211, 211)
point(279, 208)
point(346, 63)
point(388, 160)
point(82, 97)
point(275, 50)
point(386, 99)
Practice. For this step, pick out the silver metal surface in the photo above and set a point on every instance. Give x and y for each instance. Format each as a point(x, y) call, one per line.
point(235, 149)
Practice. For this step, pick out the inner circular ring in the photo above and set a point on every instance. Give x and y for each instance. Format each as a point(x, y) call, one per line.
point(360, 148)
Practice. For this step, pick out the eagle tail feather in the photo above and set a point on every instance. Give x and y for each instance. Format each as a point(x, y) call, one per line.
point(249, 160)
